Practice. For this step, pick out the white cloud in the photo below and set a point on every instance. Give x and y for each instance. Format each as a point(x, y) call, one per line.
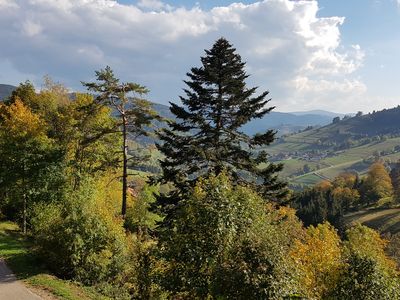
point(154, 5)
point(8, 4)
point(289, 49)
point(334, 94)
point(31, 28)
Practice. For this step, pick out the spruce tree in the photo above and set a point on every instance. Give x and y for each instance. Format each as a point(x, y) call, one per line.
point(207, 138)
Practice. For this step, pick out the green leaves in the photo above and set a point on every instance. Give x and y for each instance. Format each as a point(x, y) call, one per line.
point(225, 242)
point(80, 237)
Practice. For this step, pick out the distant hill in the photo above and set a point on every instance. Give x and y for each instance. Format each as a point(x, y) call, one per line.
point(288, 122)
point(348, 145)
point(321, 113)
point(284, 123)
point(6, 90)
point(384, 122)
point(349, 130)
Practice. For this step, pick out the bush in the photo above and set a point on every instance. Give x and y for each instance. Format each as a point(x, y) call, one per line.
point(227, 243)
point(139, 218)
point(80, 238)
point(365, 279)
point(369, 273)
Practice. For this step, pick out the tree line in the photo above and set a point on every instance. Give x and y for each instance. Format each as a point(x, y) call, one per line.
point(330, 200)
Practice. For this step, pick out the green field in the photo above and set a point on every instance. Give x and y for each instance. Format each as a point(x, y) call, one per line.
point(352, 159)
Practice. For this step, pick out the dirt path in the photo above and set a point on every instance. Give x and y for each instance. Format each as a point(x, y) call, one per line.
point(11, 288)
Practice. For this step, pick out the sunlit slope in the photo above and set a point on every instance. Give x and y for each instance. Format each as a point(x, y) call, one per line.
point(383, 220)
point(348, 145)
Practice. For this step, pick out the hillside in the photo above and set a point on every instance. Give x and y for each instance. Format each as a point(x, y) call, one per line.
point(320, 112)
point(283, 123)
point(286, 123)
point(5, 90)
point(356, 128)
point(383, 220)
point(348, 145)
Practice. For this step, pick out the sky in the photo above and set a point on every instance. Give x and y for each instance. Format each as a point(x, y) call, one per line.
point(336, 55)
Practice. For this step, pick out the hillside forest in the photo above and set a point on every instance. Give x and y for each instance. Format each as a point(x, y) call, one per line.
point(138, 204)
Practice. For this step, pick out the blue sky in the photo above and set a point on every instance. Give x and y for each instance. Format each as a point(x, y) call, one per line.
point(339, 55)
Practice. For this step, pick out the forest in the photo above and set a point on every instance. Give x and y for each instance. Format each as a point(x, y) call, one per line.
point(215, 220)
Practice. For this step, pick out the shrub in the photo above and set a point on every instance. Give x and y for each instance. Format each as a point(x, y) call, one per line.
point(80, 238)
point(139, 218)
point(365, 279)
point(369, 273)
point(227, 243)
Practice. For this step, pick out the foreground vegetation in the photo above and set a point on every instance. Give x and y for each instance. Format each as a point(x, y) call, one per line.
point(215, 225)
point(17, 252)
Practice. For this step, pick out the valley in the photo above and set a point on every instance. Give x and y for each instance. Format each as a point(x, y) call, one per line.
point(349, 145)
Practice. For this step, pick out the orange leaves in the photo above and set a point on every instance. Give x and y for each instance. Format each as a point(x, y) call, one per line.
point(323, 186)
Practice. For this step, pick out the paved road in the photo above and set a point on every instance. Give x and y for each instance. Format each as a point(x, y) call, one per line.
point(11, 288)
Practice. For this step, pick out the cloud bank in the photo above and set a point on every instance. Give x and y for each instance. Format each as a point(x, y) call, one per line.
point(289, 50)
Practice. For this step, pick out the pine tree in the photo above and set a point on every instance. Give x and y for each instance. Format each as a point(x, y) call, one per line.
point(134, 113)
point(207, 136)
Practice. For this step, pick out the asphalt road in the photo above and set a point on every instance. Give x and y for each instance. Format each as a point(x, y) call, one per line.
point(11, 288)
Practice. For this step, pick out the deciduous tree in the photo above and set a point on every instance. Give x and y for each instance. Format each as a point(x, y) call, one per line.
point(376, 185)
point(26, 153)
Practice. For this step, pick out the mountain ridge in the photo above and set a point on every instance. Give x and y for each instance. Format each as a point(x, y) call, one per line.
point(282, 122)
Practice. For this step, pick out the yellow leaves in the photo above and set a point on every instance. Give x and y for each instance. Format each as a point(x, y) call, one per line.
point(367, 242)
point(18, 121)
point(318, 258)
point(377, 185)
point(56, 92)
point(379, 179)
point(347, 195)
point(286, 212)
point(345, 180)
point(321, 257)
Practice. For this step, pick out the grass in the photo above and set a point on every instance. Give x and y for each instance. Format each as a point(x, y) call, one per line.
point(343, 161)
point(307, 179)
point(27, 267)
point(383, 220)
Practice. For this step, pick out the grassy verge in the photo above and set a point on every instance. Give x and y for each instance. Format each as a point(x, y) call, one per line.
point(15, 250)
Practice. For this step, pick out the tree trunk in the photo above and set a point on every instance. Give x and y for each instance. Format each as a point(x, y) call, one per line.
point(24, 200)
point(24, 214)
point(125, 166)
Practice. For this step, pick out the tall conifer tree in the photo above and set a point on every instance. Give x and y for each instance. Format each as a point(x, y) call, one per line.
point(207, 136)
point(135, 114)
